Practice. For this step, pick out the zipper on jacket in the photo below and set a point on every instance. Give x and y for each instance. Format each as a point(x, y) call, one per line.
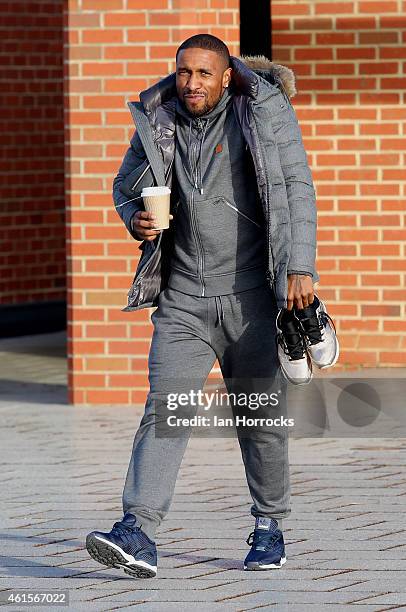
point(269, 272)
point(141, 177)
point(199, 247)
point(195, 230)
point(240, 213)
point(146, 170)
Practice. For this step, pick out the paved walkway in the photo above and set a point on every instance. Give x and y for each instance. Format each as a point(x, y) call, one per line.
point(62, 474)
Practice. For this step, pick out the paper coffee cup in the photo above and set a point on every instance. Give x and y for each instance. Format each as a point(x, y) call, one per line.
point(157, 201)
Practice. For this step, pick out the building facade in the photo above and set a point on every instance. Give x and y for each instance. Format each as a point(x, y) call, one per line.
point(349, 60)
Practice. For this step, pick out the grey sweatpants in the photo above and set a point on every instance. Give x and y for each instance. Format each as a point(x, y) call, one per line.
point(189, 334)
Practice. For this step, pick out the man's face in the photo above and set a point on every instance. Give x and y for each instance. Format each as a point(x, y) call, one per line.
point(201, 76)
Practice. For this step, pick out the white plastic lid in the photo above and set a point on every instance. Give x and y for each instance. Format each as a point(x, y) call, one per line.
point(157, 191)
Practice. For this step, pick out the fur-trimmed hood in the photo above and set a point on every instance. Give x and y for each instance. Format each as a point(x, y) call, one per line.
point(263, 66)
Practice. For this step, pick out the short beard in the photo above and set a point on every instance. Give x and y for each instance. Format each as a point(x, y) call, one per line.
point(199, 113)
point(206, 108)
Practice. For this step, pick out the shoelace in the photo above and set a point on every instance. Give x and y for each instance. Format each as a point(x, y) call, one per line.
point(268, 539)
point(294, 350)
point(291, 341)
point(219, 310)
point(313, 330)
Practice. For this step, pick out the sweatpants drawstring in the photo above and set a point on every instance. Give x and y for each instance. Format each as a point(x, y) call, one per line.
point(219, 309)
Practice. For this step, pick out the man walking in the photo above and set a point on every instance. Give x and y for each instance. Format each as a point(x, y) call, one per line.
point(223, 135)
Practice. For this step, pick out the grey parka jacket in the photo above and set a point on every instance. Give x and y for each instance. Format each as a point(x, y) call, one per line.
point(269, 125)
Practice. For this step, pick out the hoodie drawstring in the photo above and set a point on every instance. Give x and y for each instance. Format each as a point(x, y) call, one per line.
point(219, 309)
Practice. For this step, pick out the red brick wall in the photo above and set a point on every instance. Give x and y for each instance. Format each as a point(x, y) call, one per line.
point(116, 48)
point(32, 224)
point(349, 59)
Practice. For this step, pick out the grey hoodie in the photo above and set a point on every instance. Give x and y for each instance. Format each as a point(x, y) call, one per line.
point(219, 243)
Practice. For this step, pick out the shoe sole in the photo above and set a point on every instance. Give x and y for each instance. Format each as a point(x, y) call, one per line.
point(108, 555)
point(295, 381)
point(253, 566)
point(330, 365)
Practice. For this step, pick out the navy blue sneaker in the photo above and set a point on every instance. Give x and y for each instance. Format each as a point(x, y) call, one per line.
point(125, 546)
point(268, 548)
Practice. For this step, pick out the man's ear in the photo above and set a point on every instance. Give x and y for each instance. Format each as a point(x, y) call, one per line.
point(227, 77)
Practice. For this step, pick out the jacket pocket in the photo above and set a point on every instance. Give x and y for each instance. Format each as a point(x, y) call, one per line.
point(230, 237)
point(239, 212)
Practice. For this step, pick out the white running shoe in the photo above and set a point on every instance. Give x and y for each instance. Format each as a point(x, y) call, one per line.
point(295, 363)
point(319, 334)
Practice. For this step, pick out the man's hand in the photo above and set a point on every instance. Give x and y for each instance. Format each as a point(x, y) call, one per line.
point(300, 291)
point(143, 224)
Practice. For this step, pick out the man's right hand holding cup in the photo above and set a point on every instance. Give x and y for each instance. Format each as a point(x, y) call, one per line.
point(148, 223)
point(144, 225)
